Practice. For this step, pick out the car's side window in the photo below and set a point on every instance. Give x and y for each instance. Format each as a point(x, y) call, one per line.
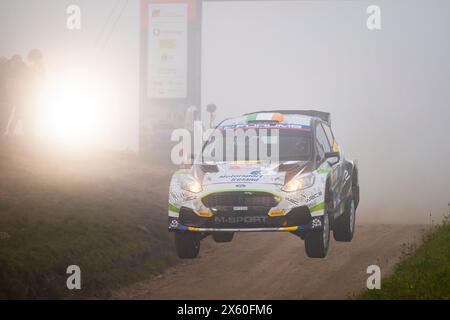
point(323, 145)
point(329, 134)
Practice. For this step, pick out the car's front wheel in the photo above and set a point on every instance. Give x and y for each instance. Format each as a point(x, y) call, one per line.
point(317, 242)
point(223, 236)
point(344, 226)
point(187, 244)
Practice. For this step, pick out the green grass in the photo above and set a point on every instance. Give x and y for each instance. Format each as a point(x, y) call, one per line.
point(423, 273)
point(110, 249)
point(115, 231)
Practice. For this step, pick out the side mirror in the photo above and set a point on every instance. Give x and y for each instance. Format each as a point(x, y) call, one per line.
point(334, 156)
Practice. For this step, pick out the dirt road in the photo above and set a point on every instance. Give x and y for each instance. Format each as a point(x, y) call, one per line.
point(274, 266)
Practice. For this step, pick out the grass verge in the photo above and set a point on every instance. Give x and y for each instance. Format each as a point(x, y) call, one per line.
point(423, 274)
point(104, 216)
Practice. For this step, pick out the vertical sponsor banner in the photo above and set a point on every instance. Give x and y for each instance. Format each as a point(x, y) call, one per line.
point(168, 45)
point(170, 71)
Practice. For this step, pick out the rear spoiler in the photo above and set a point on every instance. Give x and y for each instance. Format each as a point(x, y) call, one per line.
point(324, 116)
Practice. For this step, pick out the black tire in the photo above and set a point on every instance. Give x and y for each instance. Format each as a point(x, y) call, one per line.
point(344, 226)
point(187, 244)
point(221, 237)
point(317, 242)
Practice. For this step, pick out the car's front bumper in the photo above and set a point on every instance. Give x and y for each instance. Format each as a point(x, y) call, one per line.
point(254, 208)
point(209, 230)
point(298, 220)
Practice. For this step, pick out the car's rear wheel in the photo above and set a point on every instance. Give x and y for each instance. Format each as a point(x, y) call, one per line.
point(187, 244)
point(317, 242)
point(344, 226)
point(221, 237)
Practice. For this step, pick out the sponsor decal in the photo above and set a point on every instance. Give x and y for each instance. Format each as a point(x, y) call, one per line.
point(292, 200)
point(316, 223)
point(181, 196)
point(237, 220)
point(268, 125)
point(346, 176)
point(303, 198)
point(313, 196)
point(242, 177)
point(173, 224)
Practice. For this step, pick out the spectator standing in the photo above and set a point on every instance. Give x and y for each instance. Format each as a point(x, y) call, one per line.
point(18, 89)
point(3, 94)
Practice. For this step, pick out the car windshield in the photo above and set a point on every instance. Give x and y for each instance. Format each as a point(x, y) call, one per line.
point(292, 145)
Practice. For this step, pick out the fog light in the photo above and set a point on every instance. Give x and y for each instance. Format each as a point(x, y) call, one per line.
point(205, 214)
point(276, 213)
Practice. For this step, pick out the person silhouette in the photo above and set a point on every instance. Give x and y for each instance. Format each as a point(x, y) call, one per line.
point(18, 87)
point(36, 84)
point(3, 93)
point(36, 61)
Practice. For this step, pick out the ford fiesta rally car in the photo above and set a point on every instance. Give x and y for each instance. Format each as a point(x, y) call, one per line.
point(311, 190)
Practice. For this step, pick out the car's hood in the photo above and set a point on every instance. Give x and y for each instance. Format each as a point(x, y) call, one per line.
point(251, 172)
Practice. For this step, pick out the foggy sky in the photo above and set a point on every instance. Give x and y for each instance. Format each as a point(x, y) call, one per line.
point(388, 90)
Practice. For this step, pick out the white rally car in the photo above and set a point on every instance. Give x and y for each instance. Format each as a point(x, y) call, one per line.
point(311, 190)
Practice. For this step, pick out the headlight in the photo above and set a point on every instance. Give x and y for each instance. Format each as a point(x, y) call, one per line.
point(299, 183)
point(191, 184)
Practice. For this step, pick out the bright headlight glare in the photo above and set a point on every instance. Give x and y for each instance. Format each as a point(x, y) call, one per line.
point(192, 185)
point(299, 183)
